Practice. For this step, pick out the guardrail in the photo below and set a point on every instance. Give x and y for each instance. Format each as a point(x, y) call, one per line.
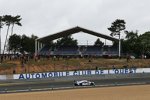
point(87, 77)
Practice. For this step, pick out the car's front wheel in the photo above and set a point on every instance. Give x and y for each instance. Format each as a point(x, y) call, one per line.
point(75, 84)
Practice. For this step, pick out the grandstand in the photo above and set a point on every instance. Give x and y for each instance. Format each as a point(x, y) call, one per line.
point(43, 48)
point(65, 50)
point(93, 50)
point(83, 50)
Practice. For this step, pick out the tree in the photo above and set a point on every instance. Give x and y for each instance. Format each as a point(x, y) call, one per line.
point(130, 35)
point(1, 26)
point(15, 20)
point(130, 44)
point(145, 43)
point(137, 45)
point(117, 26)
point(33, 37)
point(28, 43)
point(14, 43)
point(98, 43)
point(25, 43)
point(66, 41)
point(7, 19)
point(10, 20)
point(22, 43)
point(31, 47)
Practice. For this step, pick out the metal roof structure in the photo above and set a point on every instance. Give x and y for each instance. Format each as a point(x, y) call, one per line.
point(73, 31)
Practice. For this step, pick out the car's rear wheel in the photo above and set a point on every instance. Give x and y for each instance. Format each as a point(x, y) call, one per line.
point(80, 84)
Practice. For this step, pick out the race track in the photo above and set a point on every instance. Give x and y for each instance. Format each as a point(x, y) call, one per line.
point(137, 92)
point(47, 85)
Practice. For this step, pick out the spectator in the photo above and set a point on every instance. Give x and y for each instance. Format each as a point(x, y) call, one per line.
point(128, 58)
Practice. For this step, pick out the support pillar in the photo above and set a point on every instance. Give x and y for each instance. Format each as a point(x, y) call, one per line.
point(119, 46)
point(36, 47)
point(41, 46)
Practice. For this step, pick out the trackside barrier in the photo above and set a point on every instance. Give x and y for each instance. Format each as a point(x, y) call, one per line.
point(72, 78)
point(75, 75)
point(3, 77)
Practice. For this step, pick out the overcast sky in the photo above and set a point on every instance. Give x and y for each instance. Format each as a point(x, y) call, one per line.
point(44, 17)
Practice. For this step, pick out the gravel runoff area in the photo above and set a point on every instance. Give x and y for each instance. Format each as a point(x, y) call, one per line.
point(138, 92)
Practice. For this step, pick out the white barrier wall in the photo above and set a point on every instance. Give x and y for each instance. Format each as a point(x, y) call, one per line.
point(80, 73)
point(74, 73)
point(143, 70)
point(2, 77)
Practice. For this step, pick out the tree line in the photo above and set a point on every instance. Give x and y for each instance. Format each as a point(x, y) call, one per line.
point(22, 43)
point(134, 43)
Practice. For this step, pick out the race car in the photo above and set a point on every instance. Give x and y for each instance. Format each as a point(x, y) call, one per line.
point(84, 83)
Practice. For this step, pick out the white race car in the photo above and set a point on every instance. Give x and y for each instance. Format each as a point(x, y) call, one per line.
point(84, 83)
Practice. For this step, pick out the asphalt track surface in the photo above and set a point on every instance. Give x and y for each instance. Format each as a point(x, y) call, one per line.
point(46, 84)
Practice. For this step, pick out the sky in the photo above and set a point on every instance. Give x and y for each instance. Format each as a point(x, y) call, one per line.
point(45, 17)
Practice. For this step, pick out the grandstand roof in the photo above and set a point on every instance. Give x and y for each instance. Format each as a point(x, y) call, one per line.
point(73, 31)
